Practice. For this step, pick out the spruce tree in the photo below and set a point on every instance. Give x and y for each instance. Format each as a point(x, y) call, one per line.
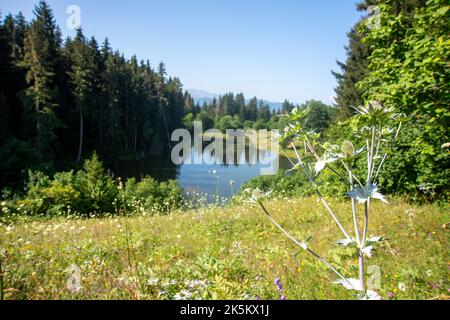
point(40, 96)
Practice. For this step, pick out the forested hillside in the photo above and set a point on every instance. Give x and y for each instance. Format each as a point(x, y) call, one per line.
point(61, 100)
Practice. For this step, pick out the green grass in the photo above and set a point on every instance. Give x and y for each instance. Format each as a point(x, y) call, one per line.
point(234, 250)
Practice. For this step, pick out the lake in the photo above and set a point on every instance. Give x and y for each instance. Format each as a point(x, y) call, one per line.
point(199, 180)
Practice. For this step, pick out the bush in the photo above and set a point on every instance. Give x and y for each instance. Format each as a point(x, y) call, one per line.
point(97, 187)
point(283, 184)
point(92, 190)
point(150, 196)
point(49, 197)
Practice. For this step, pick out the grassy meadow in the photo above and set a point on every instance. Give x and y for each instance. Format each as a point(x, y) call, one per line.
point(226, 253)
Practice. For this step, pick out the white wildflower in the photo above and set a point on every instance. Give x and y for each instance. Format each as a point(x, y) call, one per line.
point(362, 195)
point(350, 284)
point(402, 287)
point(183, 295)
point(371, 295)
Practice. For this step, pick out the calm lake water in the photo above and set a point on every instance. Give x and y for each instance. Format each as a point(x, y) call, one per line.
point(206, 181)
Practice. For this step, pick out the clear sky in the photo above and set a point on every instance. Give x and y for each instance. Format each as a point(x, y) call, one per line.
point(272, 49)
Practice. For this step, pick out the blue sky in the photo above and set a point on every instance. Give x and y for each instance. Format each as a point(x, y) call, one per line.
point(272, 49)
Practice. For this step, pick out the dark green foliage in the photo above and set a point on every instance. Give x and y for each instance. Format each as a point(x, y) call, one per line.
point(353, 70)
point(150, 196)
point(409, 71)
point(404, 65)
point(96, 186)
point(356, 67)
point(15, 157)
point(67, 100)
point(288, 184)
point(281, 184)
point(94, 191)
point(320, 116)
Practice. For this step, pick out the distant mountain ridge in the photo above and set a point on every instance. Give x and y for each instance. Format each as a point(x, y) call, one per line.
point(201, 97)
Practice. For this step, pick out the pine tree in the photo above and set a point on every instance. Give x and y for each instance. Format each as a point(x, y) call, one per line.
point(162, 99)
point(353, 70)
point(240, 106)
point(40, 95)
point(287, 107)
point(252, 109)
point(264, 112)
point(6, 65)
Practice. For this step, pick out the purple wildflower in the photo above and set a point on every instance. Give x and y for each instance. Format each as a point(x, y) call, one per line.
point(390, 295)
point(279, 287)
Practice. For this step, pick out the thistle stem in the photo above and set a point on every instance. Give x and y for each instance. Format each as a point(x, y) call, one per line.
point(301, 245)
point(355, 222)
point(325, 203)
point(1, 281)
point(355, 218)
point(366, 223)
point(361, 269)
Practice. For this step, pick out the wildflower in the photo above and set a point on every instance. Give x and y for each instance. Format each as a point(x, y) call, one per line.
point(402, 287)
point(346, 242)
point(367, 251)
point(182, 295)
point(390, 295)
point(375, 111)
point(332, 154)
point(196, 284)
point(153, 282)
point(371, 295)
point(258, 195)
point(279, 286)
point(350, 284)
point(362, 195)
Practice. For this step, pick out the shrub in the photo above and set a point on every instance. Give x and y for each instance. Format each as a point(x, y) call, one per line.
point(93, 190)
point(150, 196)
point(49, 197)
point(97, 187)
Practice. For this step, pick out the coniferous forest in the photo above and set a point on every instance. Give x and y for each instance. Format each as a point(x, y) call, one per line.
point(62, 99)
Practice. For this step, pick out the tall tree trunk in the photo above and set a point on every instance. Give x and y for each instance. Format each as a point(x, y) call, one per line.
point(38, 129)
point(80, 147)
point(163, 113)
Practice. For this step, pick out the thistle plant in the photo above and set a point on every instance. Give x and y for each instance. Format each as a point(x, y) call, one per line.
point(361, 166)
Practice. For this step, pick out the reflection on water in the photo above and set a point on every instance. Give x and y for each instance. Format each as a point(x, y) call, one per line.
point(208, 180)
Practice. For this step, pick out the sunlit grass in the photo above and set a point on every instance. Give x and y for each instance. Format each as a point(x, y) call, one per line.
point(226, 253)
